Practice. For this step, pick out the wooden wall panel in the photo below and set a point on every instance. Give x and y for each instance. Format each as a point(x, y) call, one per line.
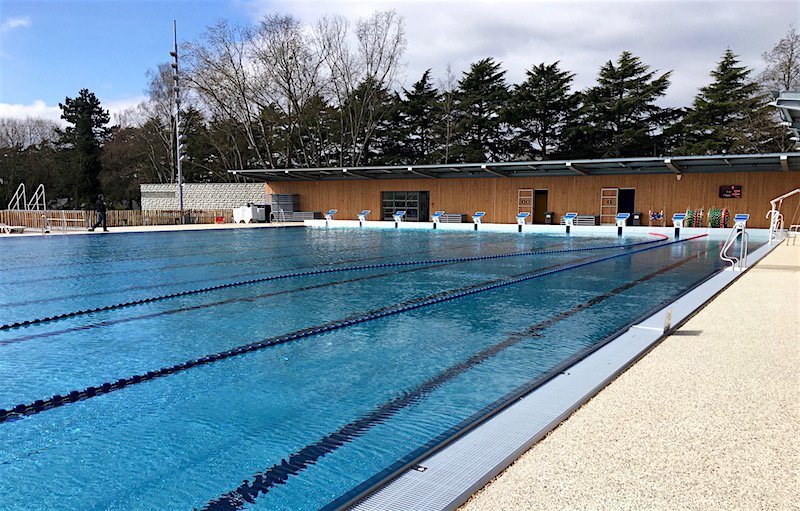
point(498, 196)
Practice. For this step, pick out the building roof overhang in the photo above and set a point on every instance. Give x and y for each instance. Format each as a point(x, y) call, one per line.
point(773, 162)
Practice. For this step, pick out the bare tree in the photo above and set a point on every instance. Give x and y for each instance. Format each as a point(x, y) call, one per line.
point(288, 76)
point(448, 87)
point(782, 70)
point(358, 77)
point(23, 133)
point(221, 72)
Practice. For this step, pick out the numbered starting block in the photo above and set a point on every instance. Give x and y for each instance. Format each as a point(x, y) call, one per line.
point(477, 218)
point(522, 219)
point(677, 221)
point(362, 217)
point(622, 219)
point(436, 218)
point(569, 220)
point(329, 214)
point(398, 217)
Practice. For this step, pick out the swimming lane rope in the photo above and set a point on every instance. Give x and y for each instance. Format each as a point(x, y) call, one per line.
point(58, 400)
point(308, 273)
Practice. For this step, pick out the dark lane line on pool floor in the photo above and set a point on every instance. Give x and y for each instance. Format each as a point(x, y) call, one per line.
point(295, 274)
point(236, 276)
point(269, 257)
point(260, 483)
point(190, 308)
point(58, 400)
point(125, 257)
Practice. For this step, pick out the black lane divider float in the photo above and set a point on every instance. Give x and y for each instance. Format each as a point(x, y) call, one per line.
point(56, 401)
point(239, 275)
point(261, 483)
point(59, 400)
point(190, 308)
point(310, 273)
point(270, 256)
point(122, 257)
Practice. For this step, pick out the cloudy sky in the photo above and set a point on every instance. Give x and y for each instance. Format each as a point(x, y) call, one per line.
point(52, 49)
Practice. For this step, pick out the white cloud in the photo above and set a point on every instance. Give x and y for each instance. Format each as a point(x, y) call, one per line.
point(11, 23)
point(685, 36)
point(53, 112)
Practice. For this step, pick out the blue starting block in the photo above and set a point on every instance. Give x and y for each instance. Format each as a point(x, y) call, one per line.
point(330, 213)
point(740, 220)
point(569, 220)
point(522, 219)
point(622, 219)
point(398, 217)
point(677, 221)
point(436, 218)
point(477, 218)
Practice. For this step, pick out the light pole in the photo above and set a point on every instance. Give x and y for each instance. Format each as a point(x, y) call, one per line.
point(179, 135)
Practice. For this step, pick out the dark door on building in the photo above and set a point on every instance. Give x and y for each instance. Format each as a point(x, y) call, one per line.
point(625, 201)
point(539, 206)
point(415, 204)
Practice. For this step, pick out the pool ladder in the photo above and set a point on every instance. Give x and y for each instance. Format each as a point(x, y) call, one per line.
point(739, 231)
point(278, 217)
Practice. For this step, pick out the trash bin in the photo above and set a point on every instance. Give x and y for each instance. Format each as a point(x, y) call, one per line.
point(636, 218)
point(548, 217)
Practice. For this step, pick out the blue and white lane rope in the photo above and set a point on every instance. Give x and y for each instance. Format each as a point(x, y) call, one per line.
point(40, 405)
point(142, 301)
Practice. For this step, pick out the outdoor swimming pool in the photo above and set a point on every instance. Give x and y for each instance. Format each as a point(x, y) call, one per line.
point(292, 392)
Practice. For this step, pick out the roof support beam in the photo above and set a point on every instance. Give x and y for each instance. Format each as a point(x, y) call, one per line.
point(495, 172)
point(672, 166)
point(785, 163)
point(420, 173)
point(573, 168)
point(357, 174)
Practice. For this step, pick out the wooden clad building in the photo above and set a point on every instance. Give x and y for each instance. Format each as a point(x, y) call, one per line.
point(601, 188)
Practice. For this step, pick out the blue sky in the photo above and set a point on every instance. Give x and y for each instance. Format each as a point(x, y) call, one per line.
point(52, 49)
point(59, 47)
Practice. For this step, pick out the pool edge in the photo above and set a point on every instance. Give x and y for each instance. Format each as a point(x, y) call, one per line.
point(455, 471)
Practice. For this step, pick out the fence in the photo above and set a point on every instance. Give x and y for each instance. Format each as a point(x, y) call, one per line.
point(114, 218)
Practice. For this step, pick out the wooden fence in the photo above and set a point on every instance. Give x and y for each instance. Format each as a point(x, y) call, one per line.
point(77, 219)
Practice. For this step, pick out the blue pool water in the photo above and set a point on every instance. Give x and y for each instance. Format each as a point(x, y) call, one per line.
point(298, 424)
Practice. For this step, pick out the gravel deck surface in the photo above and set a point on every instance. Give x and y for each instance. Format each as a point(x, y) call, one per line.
point(710, 419)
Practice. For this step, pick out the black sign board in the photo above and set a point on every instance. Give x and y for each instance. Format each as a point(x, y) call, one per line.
point(730, 192)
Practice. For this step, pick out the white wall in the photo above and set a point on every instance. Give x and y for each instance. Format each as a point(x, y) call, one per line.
point(202, 195)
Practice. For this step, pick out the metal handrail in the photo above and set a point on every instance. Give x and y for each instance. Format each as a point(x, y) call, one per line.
point(740, 262)
point(279, 217)
point(18, 197)
point(776, 217)
point(38, 200)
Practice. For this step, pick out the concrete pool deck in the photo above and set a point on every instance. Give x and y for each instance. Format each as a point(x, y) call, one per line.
point(709, 419)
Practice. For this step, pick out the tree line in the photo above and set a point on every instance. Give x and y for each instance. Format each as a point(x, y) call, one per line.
point(282, 95)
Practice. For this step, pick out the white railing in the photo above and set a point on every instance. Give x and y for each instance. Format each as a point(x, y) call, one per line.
point(18, 199)
point(38, 201)
point(737, 262)
point(775, 216)
point(277, 217)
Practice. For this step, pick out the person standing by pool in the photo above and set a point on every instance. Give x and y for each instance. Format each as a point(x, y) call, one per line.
point(101, 208)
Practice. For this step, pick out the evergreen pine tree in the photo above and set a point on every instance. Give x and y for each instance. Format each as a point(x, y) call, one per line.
point(730, 114)
point(540, 108)
point(84, 141)
point(479, 109)
point(620, 117)
point(418, 117)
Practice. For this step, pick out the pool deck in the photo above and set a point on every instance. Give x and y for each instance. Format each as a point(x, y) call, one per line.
point(709, 419)
point(32, 231)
